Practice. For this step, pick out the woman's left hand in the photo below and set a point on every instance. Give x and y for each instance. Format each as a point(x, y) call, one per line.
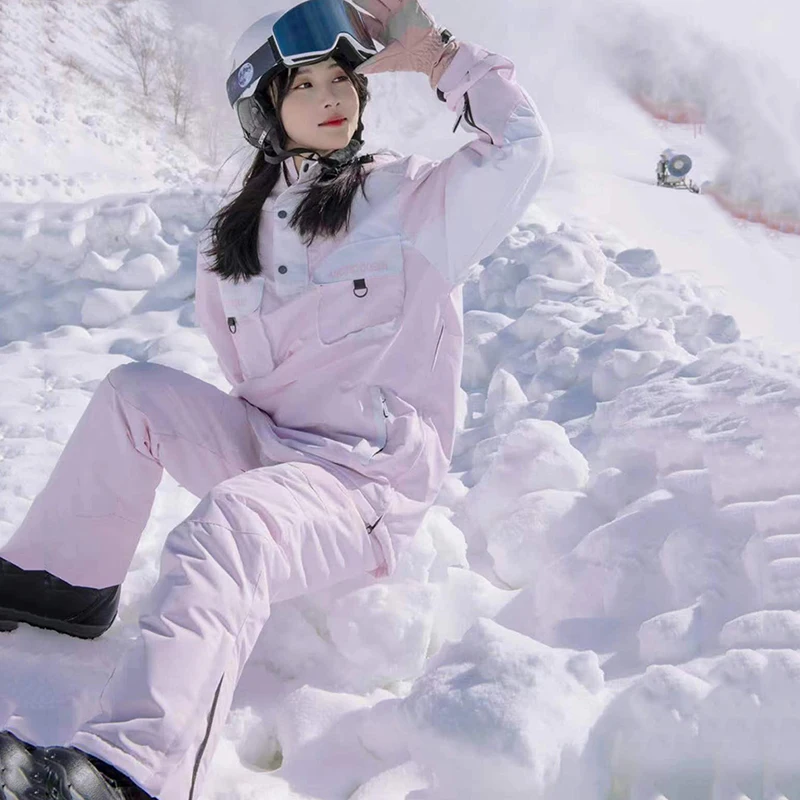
point(411, 40)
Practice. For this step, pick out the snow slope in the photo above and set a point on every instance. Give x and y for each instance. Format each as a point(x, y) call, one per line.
point(73, 124)
point(604, 603)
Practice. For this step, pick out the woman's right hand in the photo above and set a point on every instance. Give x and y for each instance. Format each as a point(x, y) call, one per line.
point(412, 41)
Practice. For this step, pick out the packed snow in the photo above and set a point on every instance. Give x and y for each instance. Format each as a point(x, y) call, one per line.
point(604, 602)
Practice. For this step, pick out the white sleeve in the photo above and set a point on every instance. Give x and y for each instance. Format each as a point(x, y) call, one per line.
point(458, 210)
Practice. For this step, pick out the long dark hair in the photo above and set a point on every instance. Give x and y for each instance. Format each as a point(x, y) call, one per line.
point(323, 211)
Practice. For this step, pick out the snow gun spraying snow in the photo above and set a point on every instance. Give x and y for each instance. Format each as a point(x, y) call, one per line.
point(672, 169)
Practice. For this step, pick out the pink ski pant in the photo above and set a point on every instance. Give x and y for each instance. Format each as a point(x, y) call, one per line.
point(260, 533)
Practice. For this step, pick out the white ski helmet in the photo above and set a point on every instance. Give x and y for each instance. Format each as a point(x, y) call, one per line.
point(305, 34)
point(250, 42)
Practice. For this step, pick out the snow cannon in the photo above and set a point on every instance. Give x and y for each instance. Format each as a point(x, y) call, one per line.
point(672, 169)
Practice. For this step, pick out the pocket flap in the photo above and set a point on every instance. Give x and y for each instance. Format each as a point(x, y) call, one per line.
point(364, 259)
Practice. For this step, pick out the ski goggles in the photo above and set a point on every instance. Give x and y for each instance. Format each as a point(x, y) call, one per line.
point(303, 35)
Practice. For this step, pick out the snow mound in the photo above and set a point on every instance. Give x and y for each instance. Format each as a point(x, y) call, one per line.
point(498, 709)
point(596, 514)
point(603, 601)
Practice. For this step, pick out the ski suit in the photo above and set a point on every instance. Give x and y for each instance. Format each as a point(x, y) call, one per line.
point(345, 362)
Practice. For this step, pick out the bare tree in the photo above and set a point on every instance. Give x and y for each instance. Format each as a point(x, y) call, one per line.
point(138, 35)
point(175, 62)
point(214, 130)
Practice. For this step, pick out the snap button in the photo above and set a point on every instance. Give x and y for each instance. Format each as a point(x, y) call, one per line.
point(281, 214)
point(282, 269)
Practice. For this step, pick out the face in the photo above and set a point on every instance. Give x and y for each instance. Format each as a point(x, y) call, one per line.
point(320, 91)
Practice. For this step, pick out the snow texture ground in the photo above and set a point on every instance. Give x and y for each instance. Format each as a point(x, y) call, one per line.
point(604, 603)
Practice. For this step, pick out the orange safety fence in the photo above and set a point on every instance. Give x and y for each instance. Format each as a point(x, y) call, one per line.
point(689, 114)
point(785, 223)
point(677, 113)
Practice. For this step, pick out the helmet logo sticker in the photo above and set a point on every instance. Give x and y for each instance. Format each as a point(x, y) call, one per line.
point(245, 74)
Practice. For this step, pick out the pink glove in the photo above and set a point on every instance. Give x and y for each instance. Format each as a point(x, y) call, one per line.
point(411, 40)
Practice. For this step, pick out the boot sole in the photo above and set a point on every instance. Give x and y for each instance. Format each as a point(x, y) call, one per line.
point(74, 776)
point(11, 618)
point(16, 765)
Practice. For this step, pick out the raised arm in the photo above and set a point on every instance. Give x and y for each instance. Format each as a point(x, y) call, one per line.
point(458, 210)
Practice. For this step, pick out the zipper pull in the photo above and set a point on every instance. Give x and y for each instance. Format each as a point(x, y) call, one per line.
point(232, 324)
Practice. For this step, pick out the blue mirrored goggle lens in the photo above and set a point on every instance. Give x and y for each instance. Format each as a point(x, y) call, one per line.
point(313, 28)
point(305, 31)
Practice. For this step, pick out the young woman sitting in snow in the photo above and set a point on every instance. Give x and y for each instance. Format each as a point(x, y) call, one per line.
point(330, 288)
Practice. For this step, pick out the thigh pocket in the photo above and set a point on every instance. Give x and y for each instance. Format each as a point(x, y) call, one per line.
point(242, 305)
point(361, 289)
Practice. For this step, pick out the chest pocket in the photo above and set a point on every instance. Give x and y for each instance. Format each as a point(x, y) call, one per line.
point(242, 305)
point(361, 289)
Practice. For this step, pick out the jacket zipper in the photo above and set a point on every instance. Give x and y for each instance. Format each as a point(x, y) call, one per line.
point(467, 114)
point(205, 738)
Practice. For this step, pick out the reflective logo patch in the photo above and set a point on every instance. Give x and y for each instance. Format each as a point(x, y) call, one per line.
point(354, 270)
point(363, 259)
point(245, 74)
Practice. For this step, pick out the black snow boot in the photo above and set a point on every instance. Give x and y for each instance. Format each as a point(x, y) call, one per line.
point(67, 773)
point(16, 766)
point(44, 600)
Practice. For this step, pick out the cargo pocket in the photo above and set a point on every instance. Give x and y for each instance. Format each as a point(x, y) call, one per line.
point(242, 305)
point(361, 289)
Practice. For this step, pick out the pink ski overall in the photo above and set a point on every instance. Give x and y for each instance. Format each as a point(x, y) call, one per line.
point(345, 361)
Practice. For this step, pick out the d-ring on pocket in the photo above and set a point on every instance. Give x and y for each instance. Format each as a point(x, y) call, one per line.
point(361, 286)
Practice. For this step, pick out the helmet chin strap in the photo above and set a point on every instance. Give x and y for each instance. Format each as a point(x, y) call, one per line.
point(332, 164)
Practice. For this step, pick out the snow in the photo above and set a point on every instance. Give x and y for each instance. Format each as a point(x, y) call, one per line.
point(604, 600)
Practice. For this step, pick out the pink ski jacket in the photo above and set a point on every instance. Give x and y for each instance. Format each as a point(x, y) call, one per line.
point(349, 351)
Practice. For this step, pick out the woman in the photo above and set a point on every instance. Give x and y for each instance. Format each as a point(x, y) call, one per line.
point(330, 288)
